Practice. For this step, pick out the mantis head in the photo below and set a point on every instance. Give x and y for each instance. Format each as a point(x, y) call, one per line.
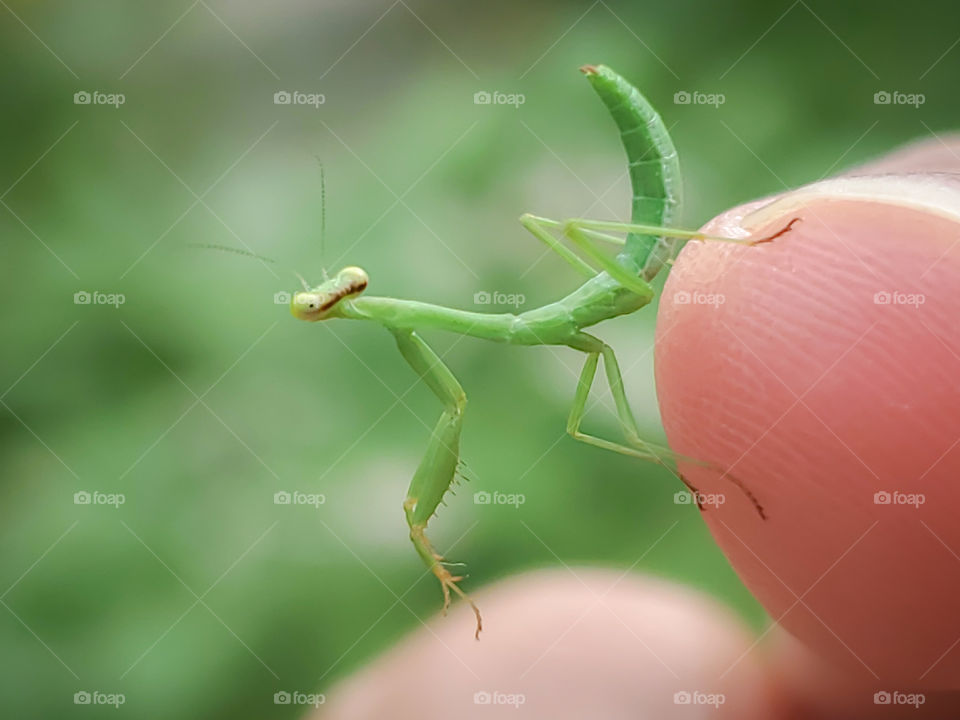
point(319, 303)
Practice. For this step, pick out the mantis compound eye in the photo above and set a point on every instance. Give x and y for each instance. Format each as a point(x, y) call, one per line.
point(352, 280)
point(306, 306)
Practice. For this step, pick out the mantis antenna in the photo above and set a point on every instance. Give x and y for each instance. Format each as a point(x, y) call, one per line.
point(323, 220)
point(235, 251)
point(247, 253)
point(323, 236)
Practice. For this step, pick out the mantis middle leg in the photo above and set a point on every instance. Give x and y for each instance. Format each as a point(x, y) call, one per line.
point(439, 465)
point(636, 446)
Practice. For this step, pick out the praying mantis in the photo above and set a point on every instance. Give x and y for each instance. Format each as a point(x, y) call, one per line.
point(619, 285)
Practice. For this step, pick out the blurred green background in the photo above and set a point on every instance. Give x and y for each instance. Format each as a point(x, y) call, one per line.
point(199, 397)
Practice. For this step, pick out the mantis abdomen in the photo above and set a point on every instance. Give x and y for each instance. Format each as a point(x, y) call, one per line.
point(653, 165)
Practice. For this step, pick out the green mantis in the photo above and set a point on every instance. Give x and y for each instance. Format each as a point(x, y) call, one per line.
point(614, 285)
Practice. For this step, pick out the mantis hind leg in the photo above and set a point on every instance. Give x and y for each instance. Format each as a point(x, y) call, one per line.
point(585, 234)
point(591, 227)
point(636, 446)
point(438, 468)
point(538, 228)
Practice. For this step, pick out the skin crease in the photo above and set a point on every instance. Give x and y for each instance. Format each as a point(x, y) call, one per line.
point(891, 399)
point(817, 398)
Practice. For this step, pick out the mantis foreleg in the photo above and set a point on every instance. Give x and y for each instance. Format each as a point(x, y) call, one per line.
point(438, 468)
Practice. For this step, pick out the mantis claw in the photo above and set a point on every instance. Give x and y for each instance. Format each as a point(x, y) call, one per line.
point(771, 238)
point(449, 582)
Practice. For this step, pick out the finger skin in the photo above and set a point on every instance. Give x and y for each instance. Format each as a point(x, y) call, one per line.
point(573, 644)
point(817, 394)
point(936, 154)
point(817, 691)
